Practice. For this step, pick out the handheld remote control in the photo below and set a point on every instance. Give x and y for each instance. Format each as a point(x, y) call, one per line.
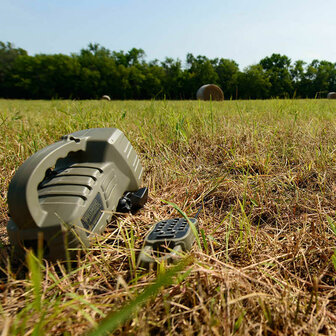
point(166, 240)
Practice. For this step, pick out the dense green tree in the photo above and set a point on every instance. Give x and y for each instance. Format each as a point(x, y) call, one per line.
point(133, 57)
point(95, 71)
point(227, 71)
point(201, 71)
point(277, 67)
point(8, 55)
point(253, 83)
point(153, 82)
point(98, 71)
point(173, 79)
point(299, 81)
point(45, 76)
point(321, 76)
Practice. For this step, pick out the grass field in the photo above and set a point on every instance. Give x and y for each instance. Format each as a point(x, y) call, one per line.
point(265, 172)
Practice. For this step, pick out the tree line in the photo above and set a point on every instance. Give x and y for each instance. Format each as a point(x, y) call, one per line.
point(96, 71)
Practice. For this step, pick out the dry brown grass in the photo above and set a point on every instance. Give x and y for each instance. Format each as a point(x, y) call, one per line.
point(265, 172)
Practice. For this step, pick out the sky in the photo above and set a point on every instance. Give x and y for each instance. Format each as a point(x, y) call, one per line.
point(243, 30)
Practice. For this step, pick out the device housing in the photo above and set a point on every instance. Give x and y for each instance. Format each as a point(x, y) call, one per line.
point(66, 193)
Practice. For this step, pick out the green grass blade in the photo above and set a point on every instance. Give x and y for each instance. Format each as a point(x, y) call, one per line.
point(331, 222)
point(192, 226)
point(35, 277)
point(113, 320)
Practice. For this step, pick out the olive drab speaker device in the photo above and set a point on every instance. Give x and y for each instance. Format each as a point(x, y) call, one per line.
point(66, 193)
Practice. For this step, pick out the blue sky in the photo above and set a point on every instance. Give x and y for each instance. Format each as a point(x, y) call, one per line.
point(242, 30)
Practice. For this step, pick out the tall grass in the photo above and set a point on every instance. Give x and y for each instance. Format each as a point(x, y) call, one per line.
point(264, 262)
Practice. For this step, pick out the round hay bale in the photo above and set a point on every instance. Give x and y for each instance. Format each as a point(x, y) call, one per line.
point(105, 97)
point(210, 90)
point(331, 95)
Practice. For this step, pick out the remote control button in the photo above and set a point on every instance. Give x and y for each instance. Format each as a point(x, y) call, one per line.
point(166, 236)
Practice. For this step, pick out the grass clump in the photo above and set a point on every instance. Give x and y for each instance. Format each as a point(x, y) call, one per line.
point(265, 263)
